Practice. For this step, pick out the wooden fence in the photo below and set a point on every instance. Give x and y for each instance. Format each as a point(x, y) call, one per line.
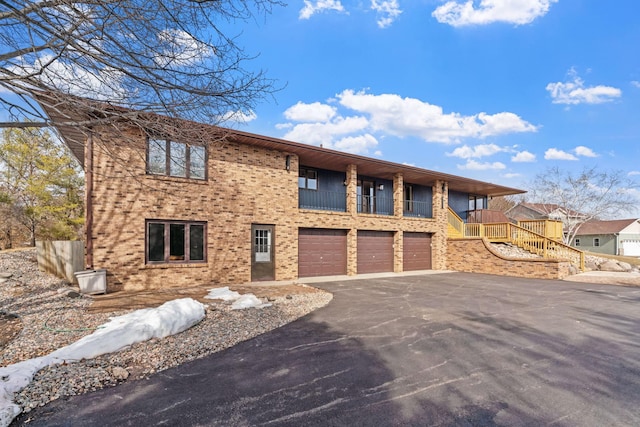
point(61, 257)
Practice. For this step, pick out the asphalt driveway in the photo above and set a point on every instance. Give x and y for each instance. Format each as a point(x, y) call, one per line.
point(441, 349)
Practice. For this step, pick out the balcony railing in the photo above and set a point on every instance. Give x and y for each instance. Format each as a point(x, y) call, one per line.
point(414, 208)
point(322, 200)
point(375, 205)
point(337, 201)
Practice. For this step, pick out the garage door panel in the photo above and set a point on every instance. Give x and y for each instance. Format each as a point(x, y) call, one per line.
point(375, 251)
point(631, 248)
point(322, 252)
point(416, 251)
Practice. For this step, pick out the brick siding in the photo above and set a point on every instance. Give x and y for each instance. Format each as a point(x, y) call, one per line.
point(246, 185)
point(475, 256)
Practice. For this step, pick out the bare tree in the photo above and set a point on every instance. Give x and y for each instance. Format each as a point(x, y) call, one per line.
point(174, 57)
point(589, 195)
point(503, 203)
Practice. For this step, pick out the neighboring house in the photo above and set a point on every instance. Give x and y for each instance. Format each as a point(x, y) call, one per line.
point(527, 211)
point(617, 237)
point(235, 207)
point(547, 211)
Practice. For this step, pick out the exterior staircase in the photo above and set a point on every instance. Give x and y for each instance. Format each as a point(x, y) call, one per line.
point(542, 238)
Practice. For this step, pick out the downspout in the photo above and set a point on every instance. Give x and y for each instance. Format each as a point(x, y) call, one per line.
point(88, 179)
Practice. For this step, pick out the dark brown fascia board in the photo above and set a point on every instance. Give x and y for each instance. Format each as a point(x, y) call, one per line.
point(308, 155)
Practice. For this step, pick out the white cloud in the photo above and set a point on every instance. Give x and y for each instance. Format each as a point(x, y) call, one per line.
point(324, 133)
point(477, 166)
point(634, 173)
point(511, 175)
point(314, 112)
point(311, 8)
point(68, 78)
point(555, 154)
point(376, 116)
point(517, 12)
point(584, 151)
point(180, 49)
point(412, 117)
point(387, 10)
point(523, 157)
point(574, 92)
point(635, 83)
point(356, 144)
point(483, 150)
point(239, 116)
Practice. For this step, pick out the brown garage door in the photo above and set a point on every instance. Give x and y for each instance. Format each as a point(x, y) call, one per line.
point(322, 252)
point(417, 251)
point(375, 251)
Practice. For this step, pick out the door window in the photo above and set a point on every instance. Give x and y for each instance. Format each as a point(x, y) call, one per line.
point(262, 245)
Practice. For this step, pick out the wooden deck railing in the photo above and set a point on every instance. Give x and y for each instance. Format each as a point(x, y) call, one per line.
point(456, 225)
point(518, 235)
point(546, 227)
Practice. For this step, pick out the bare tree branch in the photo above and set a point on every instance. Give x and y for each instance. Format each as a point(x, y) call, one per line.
point(173, 57)
point(576, 199)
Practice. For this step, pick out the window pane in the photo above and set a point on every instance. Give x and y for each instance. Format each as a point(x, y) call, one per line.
point(302, 178)
point(408, 198)
point(157, 157)
point(178, 165)
point(176, 242)
point(312, 180)
point(263, 246)
point(156, 242)
point(197, 163)
point(196, 242)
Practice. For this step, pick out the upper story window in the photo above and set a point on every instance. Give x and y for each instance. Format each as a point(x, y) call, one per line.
point(408, 198)
point(177, 159)
point(476, 203)
point(308, 178)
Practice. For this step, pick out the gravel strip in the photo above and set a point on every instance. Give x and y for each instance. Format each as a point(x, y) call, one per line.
point(52, 320)
point(511, 251)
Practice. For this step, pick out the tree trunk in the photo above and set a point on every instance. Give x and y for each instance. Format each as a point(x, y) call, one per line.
point(33, 234)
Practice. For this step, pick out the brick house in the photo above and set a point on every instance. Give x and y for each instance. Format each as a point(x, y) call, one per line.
point(234, 207)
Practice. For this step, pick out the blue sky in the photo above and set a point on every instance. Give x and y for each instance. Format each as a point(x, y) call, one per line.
point(492, 90)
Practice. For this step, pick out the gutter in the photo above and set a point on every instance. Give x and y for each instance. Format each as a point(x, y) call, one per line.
point(88, 224)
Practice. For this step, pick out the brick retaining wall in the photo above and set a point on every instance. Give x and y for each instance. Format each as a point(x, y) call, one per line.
point(476, 256)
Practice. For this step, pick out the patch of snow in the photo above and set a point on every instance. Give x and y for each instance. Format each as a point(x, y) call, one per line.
point(122, 331)
point(248, 301)
point(240, 302)
point(223, 293)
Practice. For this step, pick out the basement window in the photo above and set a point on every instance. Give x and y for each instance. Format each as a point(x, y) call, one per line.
point(175, 242)
point(596, 242)
point(171, 158)
point(577, 242)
